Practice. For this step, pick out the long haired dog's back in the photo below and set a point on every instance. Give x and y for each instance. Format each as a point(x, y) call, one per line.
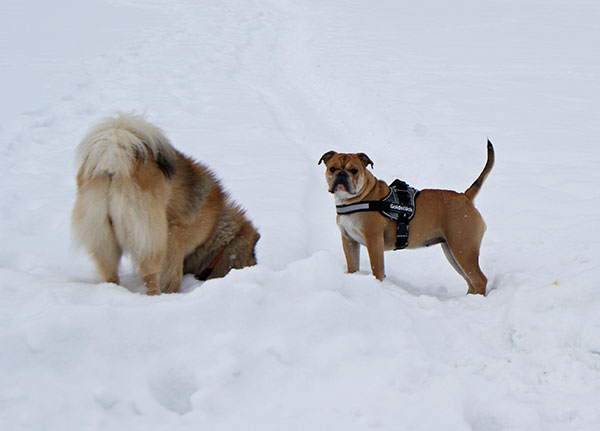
point(136, 194)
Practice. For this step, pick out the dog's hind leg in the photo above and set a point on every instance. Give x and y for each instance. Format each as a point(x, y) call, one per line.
point(138, 211)
point(149, 273)
point(144, 234)
point(93, 228)
point(172, 266)
point(456, 267)
point(151, 260)
point(107, 254)
point(465, 260)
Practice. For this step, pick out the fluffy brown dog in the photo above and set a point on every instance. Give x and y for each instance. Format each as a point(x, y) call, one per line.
point(441, 216)
point(136, 194)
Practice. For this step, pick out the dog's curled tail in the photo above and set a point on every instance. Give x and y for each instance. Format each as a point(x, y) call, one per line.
point(116, 144)
point(472, 191)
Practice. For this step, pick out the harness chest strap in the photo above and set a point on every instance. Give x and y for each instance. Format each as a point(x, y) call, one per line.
point(398, 205)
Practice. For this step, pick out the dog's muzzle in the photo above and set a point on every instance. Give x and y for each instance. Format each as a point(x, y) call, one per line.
point(341, 183)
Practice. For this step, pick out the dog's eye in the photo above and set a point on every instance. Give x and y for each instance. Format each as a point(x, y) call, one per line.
point(353, 171)
point(332, 169)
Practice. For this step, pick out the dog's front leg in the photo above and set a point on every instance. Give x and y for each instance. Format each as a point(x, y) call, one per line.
point(352, 253)
point(375, 249)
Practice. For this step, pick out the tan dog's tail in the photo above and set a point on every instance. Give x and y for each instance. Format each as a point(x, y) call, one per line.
point(472, 191)
point(116, 145)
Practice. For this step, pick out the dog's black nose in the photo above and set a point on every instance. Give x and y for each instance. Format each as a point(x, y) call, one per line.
point(343, 174)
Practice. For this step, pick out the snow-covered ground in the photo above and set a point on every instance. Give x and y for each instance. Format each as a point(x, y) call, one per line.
point(259, 90)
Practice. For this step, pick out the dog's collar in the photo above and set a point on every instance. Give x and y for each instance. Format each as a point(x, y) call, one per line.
point(203, 276)
point(398, 205)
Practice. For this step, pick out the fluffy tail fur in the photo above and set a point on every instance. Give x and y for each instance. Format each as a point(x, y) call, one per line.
point(116, 144)
point(472, 191)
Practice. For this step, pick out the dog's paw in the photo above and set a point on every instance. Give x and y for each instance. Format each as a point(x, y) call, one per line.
point(171, 287)
point(152, 292)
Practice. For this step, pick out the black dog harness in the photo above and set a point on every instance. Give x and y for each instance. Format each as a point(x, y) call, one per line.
point(398, 205)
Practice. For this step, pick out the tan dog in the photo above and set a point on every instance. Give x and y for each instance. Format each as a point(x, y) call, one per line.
point(441, 216)
point(136, 194)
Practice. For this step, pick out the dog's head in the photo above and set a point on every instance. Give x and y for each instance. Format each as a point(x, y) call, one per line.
point(346, 174)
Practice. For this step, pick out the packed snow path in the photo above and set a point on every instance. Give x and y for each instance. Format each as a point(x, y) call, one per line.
point(259, 90)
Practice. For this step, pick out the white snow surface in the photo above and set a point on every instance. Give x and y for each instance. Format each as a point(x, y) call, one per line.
point(259, 90)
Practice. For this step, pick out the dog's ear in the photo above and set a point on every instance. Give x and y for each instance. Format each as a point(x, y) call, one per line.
point(326, 157)
point(365, 159)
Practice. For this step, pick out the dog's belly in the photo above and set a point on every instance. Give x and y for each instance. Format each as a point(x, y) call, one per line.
point(347, 225)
